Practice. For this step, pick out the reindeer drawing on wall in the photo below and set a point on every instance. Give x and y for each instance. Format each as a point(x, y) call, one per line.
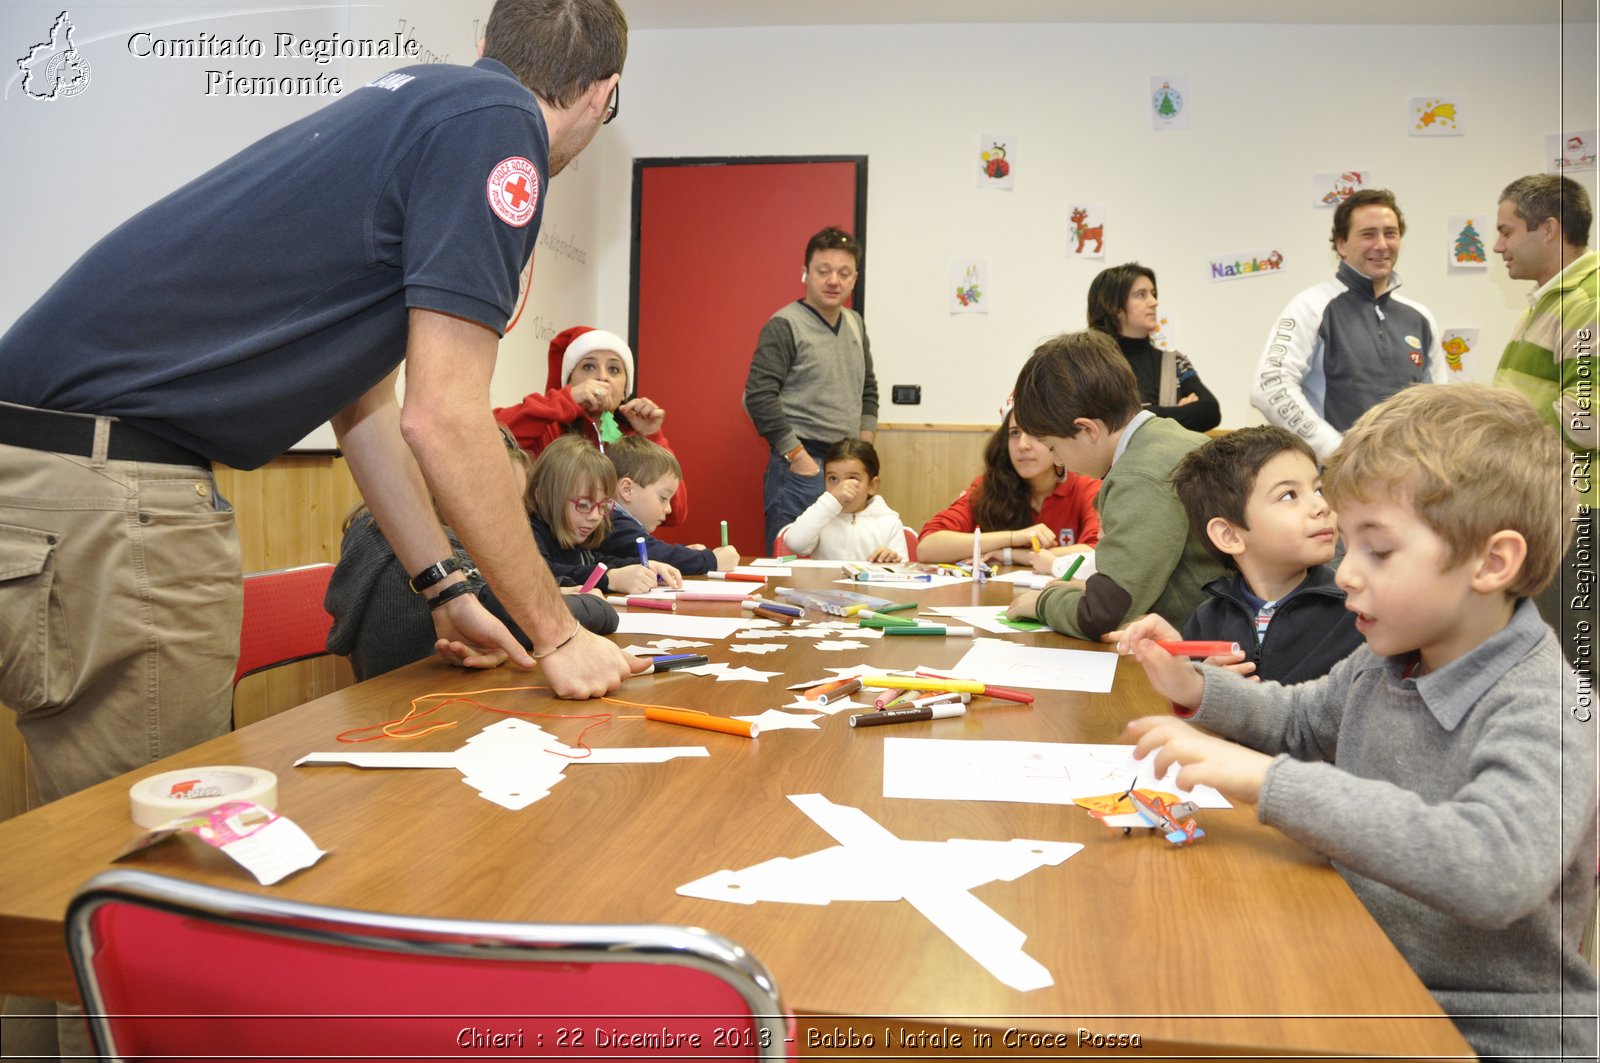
point(1083, 234)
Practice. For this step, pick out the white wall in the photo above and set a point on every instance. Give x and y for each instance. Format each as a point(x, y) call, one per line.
point(73, 168)
point(1271, 105)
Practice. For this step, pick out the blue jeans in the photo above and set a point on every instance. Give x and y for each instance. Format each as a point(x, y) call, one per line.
point(785, 495)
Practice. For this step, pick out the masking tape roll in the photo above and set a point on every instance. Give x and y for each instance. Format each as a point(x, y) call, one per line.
point(175, 794)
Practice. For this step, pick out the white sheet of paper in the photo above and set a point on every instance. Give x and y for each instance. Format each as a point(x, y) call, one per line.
point(721, 588)
point(1043, 773)
point(654, 622)
point(1003, 663)
point(778, 720)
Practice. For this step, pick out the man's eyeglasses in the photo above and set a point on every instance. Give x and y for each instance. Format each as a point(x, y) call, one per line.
point(615, 104)
point(586, 506)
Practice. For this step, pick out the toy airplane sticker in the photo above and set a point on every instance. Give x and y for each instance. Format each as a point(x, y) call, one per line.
point(1146, 809)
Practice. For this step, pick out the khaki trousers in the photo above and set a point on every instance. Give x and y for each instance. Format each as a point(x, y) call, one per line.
point(120, 603)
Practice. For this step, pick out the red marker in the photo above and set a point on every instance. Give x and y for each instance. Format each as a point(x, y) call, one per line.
point(1193, 648)
point(594, 578)
point(745, 576)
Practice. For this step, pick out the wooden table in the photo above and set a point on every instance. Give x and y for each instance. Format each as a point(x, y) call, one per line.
point(1244, 943)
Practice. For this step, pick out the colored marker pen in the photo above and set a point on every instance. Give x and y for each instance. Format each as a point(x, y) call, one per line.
point(770, 607)
point(930, 629)
point(594, 577)
point(1072, 568)
point(917, 682)
point(724, 533)
point(839, 692)
point(977, 554)
point(747, 577)
point(1194, 648)
point(666, 605)
point(668, 661)
point(941, 699)
point(786, 558)
point(929, 712)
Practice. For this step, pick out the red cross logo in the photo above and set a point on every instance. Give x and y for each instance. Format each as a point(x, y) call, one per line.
point(513, 191)
point(517, 190)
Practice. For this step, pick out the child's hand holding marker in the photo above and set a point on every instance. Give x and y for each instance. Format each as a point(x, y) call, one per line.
point(1173, 677)
point(632, 579)
point(1154, 626)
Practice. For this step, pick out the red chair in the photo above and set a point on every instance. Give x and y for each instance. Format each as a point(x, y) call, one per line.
point(284, 620)
point(171, 969)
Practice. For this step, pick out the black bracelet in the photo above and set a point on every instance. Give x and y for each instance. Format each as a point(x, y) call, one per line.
point(434, 573)
point(455, 590)
point(576, 627)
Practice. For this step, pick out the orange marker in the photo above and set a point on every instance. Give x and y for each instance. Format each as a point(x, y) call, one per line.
point(685, 718)
point(745, 576)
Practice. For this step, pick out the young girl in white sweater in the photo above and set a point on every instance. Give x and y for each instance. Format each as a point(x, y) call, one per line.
point(850, 522)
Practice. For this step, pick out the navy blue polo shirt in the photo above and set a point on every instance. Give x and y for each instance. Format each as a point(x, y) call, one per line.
point(249, 306)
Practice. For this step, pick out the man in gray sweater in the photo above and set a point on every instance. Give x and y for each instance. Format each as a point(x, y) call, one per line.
point(811, 382)
point(1447, 767)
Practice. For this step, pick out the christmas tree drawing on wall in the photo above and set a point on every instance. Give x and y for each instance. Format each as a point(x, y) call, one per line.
point(1166, 109)
point(1469, 245)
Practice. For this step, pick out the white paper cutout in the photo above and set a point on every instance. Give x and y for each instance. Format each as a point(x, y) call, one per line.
point(727, 673)
point(759, 647)
point(871, 864)
point(812, 705)
point(512, 763)
point(841, 644)
point(1041, 773)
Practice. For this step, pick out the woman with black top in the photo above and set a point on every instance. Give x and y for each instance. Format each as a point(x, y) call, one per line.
point(1122, 304)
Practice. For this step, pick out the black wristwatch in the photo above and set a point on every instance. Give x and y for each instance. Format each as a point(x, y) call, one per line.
point(434, 573)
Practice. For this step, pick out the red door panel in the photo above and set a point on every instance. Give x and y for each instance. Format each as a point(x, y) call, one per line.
point(718, 247)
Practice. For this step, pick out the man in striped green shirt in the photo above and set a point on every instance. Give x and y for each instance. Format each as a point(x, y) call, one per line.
point(1543, 227)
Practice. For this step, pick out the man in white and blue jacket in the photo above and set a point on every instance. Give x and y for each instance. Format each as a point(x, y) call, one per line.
point(1343, 346)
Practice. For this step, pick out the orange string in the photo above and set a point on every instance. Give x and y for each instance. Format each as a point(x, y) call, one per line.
point(393, 728)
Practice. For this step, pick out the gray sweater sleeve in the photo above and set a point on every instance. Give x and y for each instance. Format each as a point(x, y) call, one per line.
point(769, 370)
point(869, 387)
point(1454, 851)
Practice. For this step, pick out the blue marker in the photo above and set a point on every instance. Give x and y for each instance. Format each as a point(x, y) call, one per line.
point(668, 661)
point(644, 556)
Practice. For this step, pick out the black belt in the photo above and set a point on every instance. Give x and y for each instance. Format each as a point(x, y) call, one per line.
point(73, 433)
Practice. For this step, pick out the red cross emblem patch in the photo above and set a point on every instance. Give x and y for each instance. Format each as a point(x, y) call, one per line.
point(514, 191)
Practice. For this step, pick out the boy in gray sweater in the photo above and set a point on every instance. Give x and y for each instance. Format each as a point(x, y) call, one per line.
point(1447, 767)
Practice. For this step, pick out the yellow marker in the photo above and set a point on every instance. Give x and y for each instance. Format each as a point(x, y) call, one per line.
point(1034, 539)
point(919, 682)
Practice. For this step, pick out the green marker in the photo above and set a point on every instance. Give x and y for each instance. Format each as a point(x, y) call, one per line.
point(1072, 567)
point(724, 533)
point(784, 560)
point(867, 618)
point(930, 630)
point(896, 607)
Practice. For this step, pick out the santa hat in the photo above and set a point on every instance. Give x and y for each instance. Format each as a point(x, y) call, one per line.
point(570, 345)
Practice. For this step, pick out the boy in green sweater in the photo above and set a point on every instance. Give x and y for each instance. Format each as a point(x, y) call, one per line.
point(1078, 397)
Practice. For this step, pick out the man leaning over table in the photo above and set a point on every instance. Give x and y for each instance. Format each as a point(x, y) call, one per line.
point(280, 290)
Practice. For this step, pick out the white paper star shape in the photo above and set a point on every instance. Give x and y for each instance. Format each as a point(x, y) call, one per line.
point(841, 644)
point(760, 647)
point(830, 708)
point(728, 673)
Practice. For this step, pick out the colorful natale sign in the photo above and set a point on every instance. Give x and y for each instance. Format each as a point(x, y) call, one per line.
point(1246, 264)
